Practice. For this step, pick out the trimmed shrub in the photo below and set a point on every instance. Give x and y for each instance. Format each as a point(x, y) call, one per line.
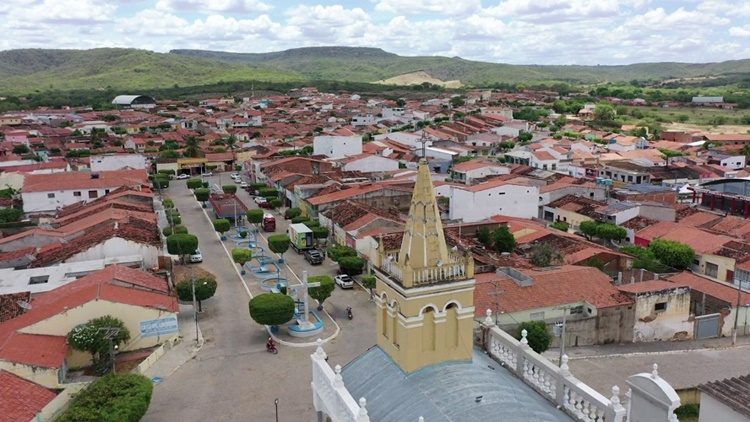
point(271, 308)
point(292, 212)
point(268, 193)
point(114, 398)
point(338, 252)
point(229, 189)
point(194, 183)
point(312, 224)
point(276, 203)
point(320, 232)
point(205, 288)
point(167, 231)
point(300, 219)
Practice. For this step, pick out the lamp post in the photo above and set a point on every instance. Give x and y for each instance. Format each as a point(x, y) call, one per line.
point(737, 312)
point(110, 333)
point(195, 308)
point(276, 405)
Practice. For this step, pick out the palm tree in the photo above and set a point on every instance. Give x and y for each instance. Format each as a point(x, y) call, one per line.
point(231, 143)
point(191, 147)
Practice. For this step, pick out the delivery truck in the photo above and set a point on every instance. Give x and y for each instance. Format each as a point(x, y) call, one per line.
point(269, 223)
point(301, 237)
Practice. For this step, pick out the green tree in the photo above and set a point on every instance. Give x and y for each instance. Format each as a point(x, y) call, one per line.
point(168, 231)
point(182, 244)
point(544, 255)
point(674, 254)
point(682, 118)
point(610, 232)
point(271, 308)
point(168, 204)
point(340, 251)
point(457, 101)
point(231, 143)
point(194, 183)
point(588, 228)
point(222, 225)
point(484, 236)
point(161, 181)
point(90, 338)
point(202, 195)
point(322, 292)
point(351, 264)
point(114, 398)
point(275, 203)
point(205, 288)
point(254, 216)
point(279, 243)
point(320, 232)
point(537, 335)
point(21, 149)
point(192, 146)
point(9, 215)
point(292, 212)
point(229, 189)
point(268, 193)
point(604, 113)
point(746, 150)
point(503, 240)
point(300, 219)
point(560, 225)
point(242, 256)
point(369, 282)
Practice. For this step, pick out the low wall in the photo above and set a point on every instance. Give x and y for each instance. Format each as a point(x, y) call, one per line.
point(153, 357)
point(60, 403)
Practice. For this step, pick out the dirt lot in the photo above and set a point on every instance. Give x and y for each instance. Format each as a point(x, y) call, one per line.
point(725, 129)
point(182, 272)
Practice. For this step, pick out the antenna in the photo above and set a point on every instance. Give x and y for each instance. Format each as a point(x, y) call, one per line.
point(23, 304)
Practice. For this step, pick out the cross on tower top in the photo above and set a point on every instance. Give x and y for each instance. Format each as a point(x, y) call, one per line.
point(423, 140)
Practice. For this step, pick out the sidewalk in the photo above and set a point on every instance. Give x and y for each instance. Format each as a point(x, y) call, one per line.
point(184, 350)
point(654, 347)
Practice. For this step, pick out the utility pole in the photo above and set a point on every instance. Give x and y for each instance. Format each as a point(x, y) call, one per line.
point(737, 312)
point(110, 333)
point(562, 329)
point(496, 293)
point(195, 308)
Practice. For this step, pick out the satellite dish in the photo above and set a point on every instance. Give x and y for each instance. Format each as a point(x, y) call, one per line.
point(23, 304)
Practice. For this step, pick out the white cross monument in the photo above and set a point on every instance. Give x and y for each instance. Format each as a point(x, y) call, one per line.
point(305, 322)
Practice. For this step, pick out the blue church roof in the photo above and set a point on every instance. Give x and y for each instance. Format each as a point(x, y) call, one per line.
point(446, 392)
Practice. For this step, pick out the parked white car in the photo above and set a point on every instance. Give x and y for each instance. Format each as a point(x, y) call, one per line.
point(183, 176)
point(196, 256)
point(344, 281)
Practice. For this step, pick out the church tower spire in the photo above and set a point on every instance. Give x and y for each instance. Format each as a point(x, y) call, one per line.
point(425, 291)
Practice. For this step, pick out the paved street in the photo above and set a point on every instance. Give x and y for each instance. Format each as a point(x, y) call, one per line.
point(232, 377)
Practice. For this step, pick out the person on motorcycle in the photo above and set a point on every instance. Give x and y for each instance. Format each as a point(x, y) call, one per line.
point(271, 344)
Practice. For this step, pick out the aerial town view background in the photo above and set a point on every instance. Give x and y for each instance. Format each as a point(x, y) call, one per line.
point(362, 223)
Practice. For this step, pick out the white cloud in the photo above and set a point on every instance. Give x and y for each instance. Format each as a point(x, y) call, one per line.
point(740, 31)
point(223, 6)
point(416, 7)
point(60, 11)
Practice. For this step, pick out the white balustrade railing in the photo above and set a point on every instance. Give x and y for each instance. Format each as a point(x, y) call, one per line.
point(554, 383)
point(329, 393)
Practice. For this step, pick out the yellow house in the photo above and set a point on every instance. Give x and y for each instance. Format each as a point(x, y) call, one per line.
point(33, 345)
point(425, 293)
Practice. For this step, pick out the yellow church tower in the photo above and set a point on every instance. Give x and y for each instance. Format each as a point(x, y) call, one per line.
point(425, 292)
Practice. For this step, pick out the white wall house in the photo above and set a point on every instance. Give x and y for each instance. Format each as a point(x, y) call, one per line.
point(45, 193)
point(118, 162)
point(364, 120)
point(369, 163)
point(543, 160)
point(337, 146)
point(408, 139)
point(475, 203)
point(119, 247)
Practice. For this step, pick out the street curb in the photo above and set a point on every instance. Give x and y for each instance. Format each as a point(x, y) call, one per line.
point(664, 352)
point(247, 289)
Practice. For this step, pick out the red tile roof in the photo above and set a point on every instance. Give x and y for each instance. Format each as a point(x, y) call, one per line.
point(82, 180)
point(21, 400)
point(717, 289)
point(42, 350)
point(650, 286)
point(559, 286)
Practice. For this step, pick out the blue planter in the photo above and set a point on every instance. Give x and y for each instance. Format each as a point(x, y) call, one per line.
point(281, 261)
point(274, 328)
point(242, 272)
point(203, 205)
point(223, 238)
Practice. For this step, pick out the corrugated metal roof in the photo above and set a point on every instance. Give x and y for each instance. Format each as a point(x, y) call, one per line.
point(445, 392)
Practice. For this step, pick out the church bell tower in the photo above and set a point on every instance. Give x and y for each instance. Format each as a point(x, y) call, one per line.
point(425, 292)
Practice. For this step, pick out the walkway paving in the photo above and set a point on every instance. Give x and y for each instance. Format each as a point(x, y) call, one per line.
point(184, 350)
point(684, 364)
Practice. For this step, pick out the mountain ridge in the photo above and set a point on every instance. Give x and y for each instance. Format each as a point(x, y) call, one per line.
point(26, 70)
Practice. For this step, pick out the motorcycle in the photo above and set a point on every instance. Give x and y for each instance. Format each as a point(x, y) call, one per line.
point(271, 348)
point(349, 312)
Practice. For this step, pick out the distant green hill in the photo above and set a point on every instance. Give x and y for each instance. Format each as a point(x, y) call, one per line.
point(373, 64)
point(23, 71)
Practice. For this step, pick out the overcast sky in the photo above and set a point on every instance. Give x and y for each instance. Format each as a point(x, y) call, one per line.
point(508, 31)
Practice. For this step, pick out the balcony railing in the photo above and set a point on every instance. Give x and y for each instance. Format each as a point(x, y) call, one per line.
point(556, 384)
point(455, 269)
